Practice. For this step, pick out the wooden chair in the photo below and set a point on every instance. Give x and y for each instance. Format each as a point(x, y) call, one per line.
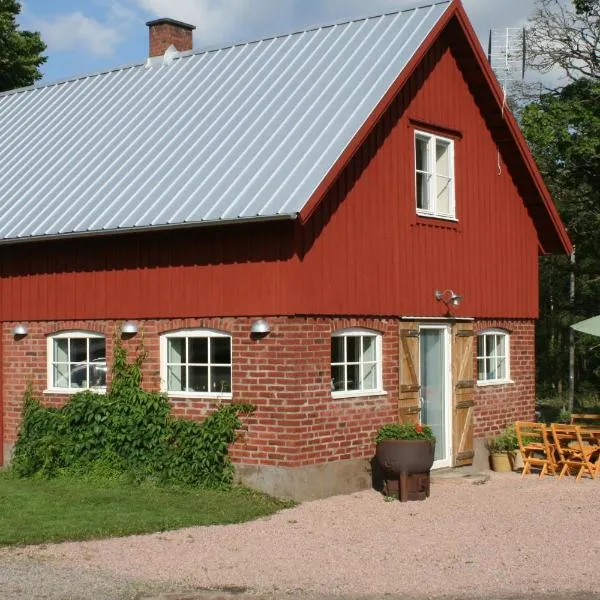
point(578, 450)
point(585, 419)
point(536, 448)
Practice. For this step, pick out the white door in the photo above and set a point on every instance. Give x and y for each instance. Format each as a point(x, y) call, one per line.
point(436, 390)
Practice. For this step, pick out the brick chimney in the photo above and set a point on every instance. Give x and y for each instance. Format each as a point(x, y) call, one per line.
point(164, 32)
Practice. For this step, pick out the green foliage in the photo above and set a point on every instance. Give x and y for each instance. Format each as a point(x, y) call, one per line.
point(404, 431)
point(563, 131)
point(20, 51)
point(127, 433)
point(505, 441)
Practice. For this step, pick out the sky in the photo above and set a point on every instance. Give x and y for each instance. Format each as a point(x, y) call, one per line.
point(85, 36)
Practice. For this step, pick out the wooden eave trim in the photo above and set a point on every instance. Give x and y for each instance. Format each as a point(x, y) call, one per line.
point(376, 115)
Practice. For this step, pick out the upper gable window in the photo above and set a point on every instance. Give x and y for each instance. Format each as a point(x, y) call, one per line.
point(434, 167)
point(76, 360)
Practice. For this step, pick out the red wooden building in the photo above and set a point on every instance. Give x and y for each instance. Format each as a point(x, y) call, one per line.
point(356, 192)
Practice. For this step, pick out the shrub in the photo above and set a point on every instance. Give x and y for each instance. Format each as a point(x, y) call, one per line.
point(126, 432)
point(404, 431)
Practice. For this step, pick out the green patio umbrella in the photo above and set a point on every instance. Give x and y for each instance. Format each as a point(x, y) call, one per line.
point(591, 326)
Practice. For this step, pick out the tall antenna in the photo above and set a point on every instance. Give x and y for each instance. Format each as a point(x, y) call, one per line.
point(507, 53)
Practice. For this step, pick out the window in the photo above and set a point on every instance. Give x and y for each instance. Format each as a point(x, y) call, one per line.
point(355, 362)
point(196, 361)
point(493, 357)
point(434, 162)
point(76, 360)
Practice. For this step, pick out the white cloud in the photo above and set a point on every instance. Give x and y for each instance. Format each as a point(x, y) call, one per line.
point(223, 20)
point(75, 31)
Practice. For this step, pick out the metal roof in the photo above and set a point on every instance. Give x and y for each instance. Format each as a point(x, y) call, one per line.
point(242, 132)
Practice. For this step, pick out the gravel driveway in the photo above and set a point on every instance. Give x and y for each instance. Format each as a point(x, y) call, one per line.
point(508, 537)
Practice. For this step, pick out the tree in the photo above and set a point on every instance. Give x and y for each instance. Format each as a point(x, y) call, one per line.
point(563, 130)
point(20, 51)
point(565, 36)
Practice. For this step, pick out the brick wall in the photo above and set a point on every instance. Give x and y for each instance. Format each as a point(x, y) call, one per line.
point(286, 375)
point(498, 405)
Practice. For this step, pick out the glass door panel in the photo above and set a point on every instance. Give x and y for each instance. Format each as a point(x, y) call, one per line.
point(433, 361)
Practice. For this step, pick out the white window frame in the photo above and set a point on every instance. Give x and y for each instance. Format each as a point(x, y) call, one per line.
point(354, 332)
point(193, 333)
point(74, 334)
point(506, 336)
point(432, 210)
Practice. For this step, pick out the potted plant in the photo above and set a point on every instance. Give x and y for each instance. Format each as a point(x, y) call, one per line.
point(503, 449)
point(405, 449)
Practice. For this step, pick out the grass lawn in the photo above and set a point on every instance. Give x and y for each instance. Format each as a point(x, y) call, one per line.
point(36, 511)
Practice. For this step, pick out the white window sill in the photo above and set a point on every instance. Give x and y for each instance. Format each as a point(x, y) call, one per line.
point(430, 215)
point(490, 382)
point(358, 394)
point(197, 396)
point(73, 391)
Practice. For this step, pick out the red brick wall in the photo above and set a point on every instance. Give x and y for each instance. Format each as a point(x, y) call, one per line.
point(286, 375)
point(498, 405)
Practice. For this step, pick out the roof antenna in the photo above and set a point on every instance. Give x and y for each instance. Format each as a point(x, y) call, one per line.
point(507, 50)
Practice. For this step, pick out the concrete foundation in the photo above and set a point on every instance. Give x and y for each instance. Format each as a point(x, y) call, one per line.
point(310, 482)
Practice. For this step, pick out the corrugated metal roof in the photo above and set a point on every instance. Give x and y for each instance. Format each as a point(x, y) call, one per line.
point(242, 132)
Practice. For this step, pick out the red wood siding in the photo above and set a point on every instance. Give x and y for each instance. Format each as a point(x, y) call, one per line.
point(363, 251)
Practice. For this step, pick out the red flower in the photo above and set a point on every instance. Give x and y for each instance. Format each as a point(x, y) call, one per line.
point(419, 428)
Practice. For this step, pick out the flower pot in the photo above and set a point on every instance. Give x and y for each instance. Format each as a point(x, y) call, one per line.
point(500, 462)
point(400, 459)
point(405, 456)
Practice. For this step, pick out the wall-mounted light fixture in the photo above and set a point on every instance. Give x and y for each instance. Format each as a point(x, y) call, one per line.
point(20, 330)
point(260, 328)
point(129, 328)
point(448, 297)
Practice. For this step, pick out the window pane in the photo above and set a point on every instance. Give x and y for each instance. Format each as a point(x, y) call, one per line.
point(198, 379)
point(338, 378)
point(369, 376)
point(501, 368)
point(198, 351)
point(337, 349)
point(220, 351)
point(220, 380)
point(491, 345)
point(176, 378)
point(61, 350)
point(97, 374)
point(352, 349)
point(481, 369)
point(421, 154)
point(78, 349)
point(369, 348)
point(501, 345)
point(176, 350)
point(442, 158)
point(422, 191)
point(97, 349)
point(353, 372)
point(61, 376)
point(481, 346)
point(490, 365)
point(443, 195)
point(79, 376)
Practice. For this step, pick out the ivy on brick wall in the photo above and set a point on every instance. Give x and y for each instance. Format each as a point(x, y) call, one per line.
point(126, 432)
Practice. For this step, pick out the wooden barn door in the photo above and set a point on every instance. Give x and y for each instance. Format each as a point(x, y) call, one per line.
point(409, 401)
point(464, 388)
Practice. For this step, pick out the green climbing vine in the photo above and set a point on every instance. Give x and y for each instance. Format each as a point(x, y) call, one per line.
point(126, 432)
